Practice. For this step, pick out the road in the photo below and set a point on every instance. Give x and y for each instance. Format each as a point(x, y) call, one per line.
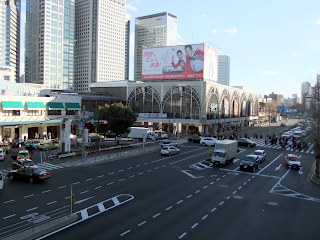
point(177, 197)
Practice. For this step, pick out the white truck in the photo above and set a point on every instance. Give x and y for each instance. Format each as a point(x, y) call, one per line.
point(160, 134)
point(141, 132)
point(225, 152)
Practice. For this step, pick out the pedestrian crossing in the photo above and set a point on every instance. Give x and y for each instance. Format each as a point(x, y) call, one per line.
point(45, 166)
point(288, 147)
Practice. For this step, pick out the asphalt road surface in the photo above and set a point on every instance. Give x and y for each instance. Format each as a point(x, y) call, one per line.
point(178, 197)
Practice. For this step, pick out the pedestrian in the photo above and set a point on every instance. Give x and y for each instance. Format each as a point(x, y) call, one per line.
point(266, 141)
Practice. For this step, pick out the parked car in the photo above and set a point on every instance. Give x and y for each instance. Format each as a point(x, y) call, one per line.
point(261, 154)
point(170, 150)
point(246, 142)
point(194, 139)
point(31, 174)
point(208, 141)
point(250, 162)
point(2, 154)
point(20, 163)
point(292, 161)
point(33, 144)
point(168, 143)
point(23, 154)
point(6, 147)
point(48, 146)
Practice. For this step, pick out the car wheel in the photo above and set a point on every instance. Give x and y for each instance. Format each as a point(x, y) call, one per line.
point(169, 154)
point(11, 177)
point(203, 144)
point(31, 180)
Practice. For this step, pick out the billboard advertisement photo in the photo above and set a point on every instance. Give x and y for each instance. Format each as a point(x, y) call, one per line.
point(195, 61)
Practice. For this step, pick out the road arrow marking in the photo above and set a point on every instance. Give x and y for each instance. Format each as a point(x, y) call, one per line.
point(277, 168)
point(300, 171)
point(189, 174)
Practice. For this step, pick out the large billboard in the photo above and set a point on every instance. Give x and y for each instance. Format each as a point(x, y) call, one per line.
point(193, 61)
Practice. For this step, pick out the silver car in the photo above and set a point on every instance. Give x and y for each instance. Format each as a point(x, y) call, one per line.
point(170, 150)
point(261, 154)
point(2, 154)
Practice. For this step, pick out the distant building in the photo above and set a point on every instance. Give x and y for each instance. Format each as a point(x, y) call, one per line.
point(156, 30)
point(224, 70)
point(127, 46)
point(50, 43)
point(10, 40)
point(305, 92)
point(100, 54)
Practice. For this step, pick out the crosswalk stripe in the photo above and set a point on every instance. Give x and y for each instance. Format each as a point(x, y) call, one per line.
point(50, 165)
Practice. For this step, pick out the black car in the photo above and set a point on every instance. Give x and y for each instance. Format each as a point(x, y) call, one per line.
point(194, 139)
point(31, 174)
point(246, 142)
point(250, 162)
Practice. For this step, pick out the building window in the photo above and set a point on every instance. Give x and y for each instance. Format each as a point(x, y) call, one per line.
point(54, 112)
point(72, 112)
point(34, 112)
point(15, 112)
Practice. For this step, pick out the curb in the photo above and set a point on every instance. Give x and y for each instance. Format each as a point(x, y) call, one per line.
point(44, 229)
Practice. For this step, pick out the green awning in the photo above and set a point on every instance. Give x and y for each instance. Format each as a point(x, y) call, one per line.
point(55, 106)
point(73, 106)
point(8, 105)
point(35, 105)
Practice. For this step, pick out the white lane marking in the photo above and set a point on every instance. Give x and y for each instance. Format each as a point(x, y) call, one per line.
point(124, 233)
point(131, 176)
point(138, 165)
point(218, 179)
point(277, 168)
point(62, 187)
point(223, 175)
point(83, 200)
point(194, 225)
point(213, 209)
point(156, 167)
point(140, 173)
point(46, 191)
point(121, 170)
point(212, 183)
point(67, 197)
point(145, 163)
point(9, 201)
point(249, 180)
point(179, 201)
point(244, 184)
point(110, 173)
point(149, 170)
point(31, 195)
point(156, 215)
point(270, 163)
point(142, 223)
point(164, 165)
point(89, 179)
point(205, 187)
point(234, 192)
point(75, 183)
point(31, 209)
point(182, 235)
point(197, 191)
point(236, 169)
point(228, 197)
point(10, 216)
point(122, 179)
point(189, 196)
point(168, 208)
point(100, 176)
point(189, 174)
point(84, 192)
point(97, 187)
point(204, 217)
point(51, 203)
point(110, 183)
point(222, 202)
point(239, 187)
point(300, 171)
point(129, 168)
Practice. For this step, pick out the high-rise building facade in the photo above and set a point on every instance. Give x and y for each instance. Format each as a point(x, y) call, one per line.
point(127, 47)
point(50, 43)
point(100, 42)
point(156, 30)
point(10, 40)
point(224, 70)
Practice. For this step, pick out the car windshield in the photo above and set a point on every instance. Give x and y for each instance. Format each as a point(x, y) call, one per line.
point(219, 154)
point(258, 153)
point(37, 170)
point(249, 159)
point(293, 159)
point(23, 154)
point(26, 163)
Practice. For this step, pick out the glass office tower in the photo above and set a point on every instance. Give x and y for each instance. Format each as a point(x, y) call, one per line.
point(50, 43)
point(10, 40)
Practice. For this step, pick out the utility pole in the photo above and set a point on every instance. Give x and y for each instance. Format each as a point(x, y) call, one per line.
point(83, 135)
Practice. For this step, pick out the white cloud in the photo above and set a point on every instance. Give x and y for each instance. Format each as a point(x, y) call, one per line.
point(231, 30)
point(313, 71)
point(294, 54)
point(267, 72)
point(204, 15)
point(317, 22)
point(214, 31)
point(132, 8)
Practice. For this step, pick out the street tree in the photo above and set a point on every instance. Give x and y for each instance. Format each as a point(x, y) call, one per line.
point(119, 117)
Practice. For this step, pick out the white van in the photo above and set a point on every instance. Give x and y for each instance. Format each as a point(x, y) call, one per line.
point(160, 134)
point(1, 180)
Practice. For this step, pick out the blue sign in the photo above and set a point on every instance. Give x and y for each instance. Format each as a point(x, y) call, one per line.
point(80, 124)
point(281, 109)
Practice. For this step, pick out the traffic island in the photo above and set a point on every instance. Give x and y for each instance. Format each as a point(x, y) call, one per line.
point(44, 229)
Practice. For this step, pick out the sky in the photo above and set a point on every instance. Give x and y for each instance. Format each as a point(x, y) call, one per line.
point(273, 45)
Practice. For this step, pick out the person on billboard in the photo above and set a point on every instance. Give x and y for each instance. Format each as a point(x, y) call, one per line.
point(181, 62)
point(194, 59)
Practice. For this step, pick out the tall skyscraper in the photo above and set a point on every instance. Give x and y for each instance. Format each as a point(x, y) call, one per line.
point(100, 42)
point(50, 43)
point(224, 70)
point(10, 40)
point(127, 46)
point(156, 30)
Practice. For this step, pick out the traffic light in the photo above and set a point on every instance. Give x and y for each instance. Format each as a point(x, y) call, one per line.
point(73, 198)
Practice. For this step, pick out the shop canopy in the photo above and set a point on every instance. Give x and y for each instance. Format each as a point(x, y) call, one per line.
point(73, 106)
point(35, 105)
point(55, 106)
point(29, 122)
point(10, 105)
